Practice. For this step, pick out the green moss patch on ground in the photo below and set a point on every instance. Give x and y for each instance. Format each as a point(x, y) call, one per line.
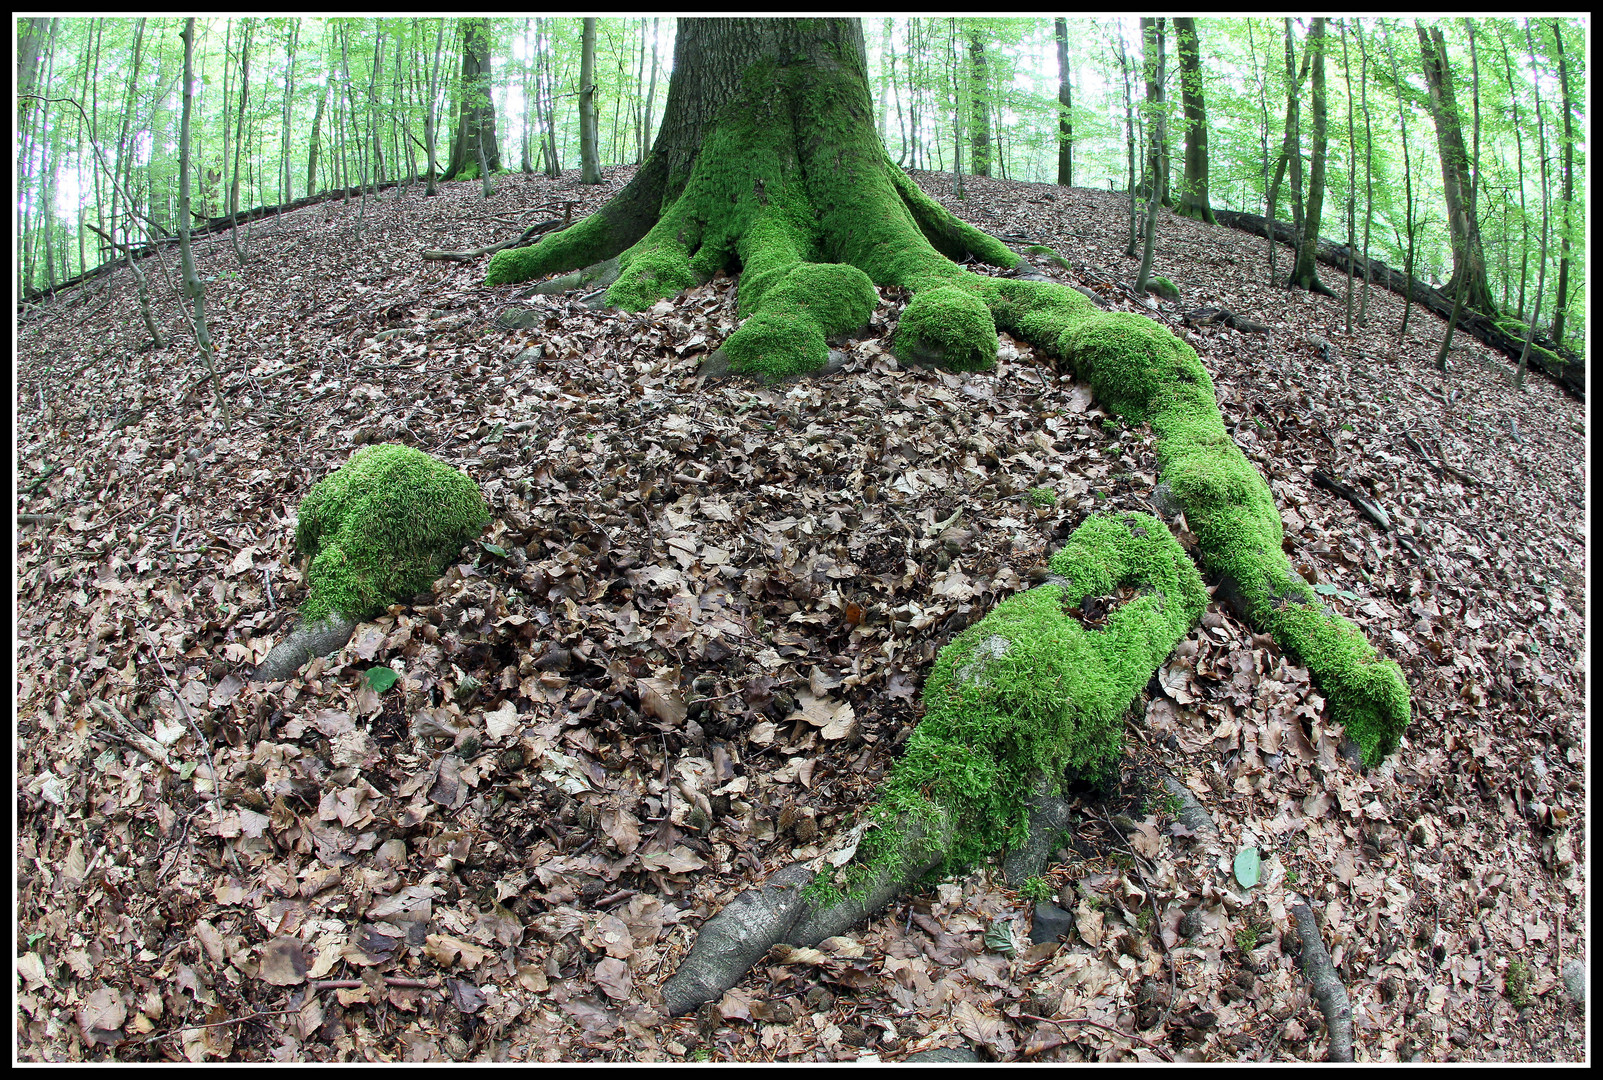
point(382, 528)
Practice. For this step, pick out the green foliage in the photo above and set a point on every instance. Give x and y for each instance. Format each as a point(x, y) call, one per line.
point(1041, 496)
point(382, 528)
point(1037, 890)
point(1517, 983)
point(1247, 938)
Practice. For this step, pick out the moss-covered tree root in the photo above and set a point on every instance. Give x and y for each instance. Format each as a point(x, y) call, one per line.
point(374, 532)
point(1015, 703)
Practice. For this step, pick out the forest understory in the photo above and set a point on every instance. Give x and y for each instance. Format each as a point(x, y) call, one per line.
point(688, 647)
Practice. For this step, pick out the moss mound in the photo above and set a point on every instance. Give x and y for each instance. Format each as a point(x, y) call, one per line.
point(382, 528)
point(950, 325)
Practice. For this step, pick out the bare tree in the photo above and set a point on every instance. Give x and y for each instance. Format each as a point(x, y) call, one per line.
point(589, 151)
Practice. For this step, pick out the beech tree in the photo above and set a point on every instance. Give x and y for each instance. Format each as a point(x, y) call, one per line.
point(475, 117)
point(1194, 191)
point(1065, 102)
point(1305, 273)
point(1469, 262)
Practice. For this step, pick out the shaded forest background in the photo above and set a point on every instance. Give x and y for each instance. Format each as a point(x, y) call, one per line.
point(288, 108)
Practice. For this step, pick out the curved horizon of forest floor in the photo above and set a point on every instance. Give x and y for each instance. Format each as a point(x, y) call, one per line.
point(697, 642)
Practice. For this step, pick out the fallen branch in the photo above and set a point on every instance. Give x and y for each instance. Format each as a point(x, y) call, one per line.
point(38, 519)
point(1086, 1020)
point(1328, 990)
point(1365, 507)
point(146, 745)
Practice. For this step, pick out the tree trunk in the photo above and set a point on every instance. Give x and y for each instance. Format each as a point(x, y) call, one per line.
point(431, 125)
point(193, 289)
point(1408, 189)
point(1194, 195)
point(1352, 171)
point(651, 92)
point(1065, 107)
point(1559, 301)
point(1129, 141)
point(1290, 146)
point(1369, 165)
point(1541, 258)
point(1152, 61)
point(1469, 261)
point(980, 135)
point(475, 119)
point(589, 152)
point(1474, 191)
point(316, 141)
point(767, 161)
point(1305, 274)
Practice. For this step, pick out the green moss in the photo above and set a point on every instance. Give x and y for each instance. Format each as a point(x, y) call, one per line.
point(382, 528)
point(950, 323)
point(1037, 890)
point(1029, 692)
point(1041, 496)
point(1164, 288)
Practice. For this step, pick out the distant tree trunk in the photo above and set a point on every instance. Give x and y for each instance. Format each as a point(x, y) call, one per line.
point(244, 100)
point(1305, 274)
point(192, 284)
point(1129, 140)
point(1541, 257)
point(31, 35)
point(475, 120)
point(589, 152)
point(1194, 195)
point(1263, 136)
point(1290, 147)
point(646, 132)
point(1469, 261)
point(1352, 174)
point(1152, 57)
point(1408, 191)
point(1065, 107)
point(1474, 192)
point(980, 140)
point(431, 112)
point(1369, 166)
point(287, 177)
point(1519, 171)
point(1561, 300)
point(531, 112)
point(316, 141)
point(957, 109)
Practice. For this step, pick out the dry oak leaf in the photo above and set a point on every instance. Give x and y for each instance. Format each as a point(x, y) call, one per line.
point(284, 962)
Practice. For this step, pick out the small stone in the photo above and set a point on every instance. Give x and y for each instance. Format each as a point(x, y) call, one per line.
point(1575, 981)
point(1050, 923)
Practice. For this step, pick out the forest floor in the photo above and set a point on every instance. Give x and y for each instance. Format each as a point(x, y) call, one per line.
point(687, 648)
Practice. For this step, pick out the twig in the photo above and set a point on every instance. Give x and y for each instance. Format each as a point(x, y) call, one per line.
point(217, 780)
point(1105, 1027)
point(134, 737)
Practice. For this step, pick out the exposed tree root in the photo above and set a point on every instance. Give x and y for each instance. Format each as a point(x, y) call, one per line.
point(303, 644)
point(1328, 990)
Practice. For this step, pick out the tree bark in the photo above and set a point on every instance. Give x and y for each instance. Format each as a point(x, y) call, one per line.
point(980, 121)
point(1541, 258)
point(589, 152)
point(1469, 261)
point(1152, 60)
point(475, 119)
point(1194, 194)
point(1559, 301)
point(193, 289)
point(1065, 107)
point(1305, 275)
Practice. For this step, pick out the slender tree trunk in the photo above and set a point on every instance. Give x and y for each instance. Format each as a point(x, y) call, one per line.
point(286, 178)
point(1129, 140)
point(1152, 54)
point(1408, 190)
point(1541, 257)
point(1519, 172)
point(980, 142)
point(1194, 201)
point(1065, 107)
point(1369, 165)
point(646, 133)
point(193, 289)
point(1560, 301)
point(431, 126)
point(1352, 175)
point(244, 101)
point(589, 155)
point(315, 144)
point(1290, 147)
point(1305, 274)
